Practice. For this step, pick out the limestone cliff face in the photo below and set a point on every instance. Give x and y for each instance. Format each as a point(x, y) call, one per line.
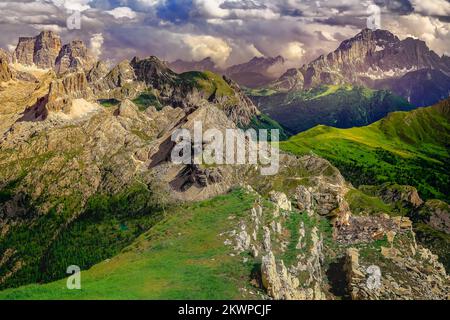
point(45, 51)
point(60, 96)
point(293, 79)
point(118, 83)
point(62, 91)
point(25, 51)
point(371, 55)
point(73, 56)
point(41, 50)
point(5, 71)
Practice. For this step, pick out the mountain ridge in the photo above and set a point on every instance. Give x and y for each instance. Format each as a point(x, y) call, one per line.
point(370, 58)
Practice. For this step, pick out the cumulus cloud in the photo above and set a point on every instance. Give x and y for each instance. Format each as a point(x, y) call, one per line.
point(74, 5)
point(294, 51)
point(242, 4)
point(202, 47)
point(96, 45)
point(434, 7)
point(122, 12)
point(230, 31)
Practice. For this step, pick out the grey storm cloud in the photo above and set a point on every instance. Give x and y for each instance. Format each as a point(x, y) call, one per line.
point(234, 29)
point(244, 5)
point(401, 7)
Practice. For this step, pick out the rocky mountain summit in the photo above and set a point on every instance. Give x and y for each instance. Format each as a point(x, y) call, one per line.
point(46, 51)
point(258, 72)
point(373, 58)
point(41, 50)
point(74, 56)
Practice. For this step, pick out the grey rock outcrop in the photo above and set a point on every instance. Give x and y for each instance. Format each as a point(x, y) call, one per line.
point(281, 200)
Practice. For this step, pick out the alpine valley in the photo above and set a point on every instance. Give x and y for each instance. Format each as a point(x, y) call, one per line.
point(86, 177)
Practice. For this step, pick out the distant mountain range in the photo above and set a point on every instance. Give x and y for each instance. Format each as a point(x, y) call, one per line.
point(376, 59)
point(257, 72)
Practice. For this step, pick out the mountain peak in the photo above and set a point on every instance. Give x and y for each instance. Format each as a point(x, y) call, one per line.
point(40, 50)
point(370, 36)
point(72, 56)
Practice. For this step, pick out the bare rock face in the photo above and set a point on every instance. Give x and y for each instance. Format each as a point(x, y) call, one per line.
point(326, 194)
point(389, 193)
point(281, 200)
point(154, 72)
point(280, 285)
point(293, 79)
point(63, 91)
point(119, 83)
point(73, 56)
point(41, 50)
point(371, 54)
point(24, 53)
point(380, 60)
point(98, 72)
point(61, 94)
point(436, 213)
point(5, 71)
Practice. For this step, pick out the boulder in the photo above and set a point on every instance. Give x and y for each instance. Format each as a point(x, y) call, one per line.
point(281, 200)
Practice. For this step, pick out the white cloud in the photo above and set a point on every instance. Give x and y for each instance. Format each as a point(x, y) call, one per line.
point(293, 51)
point(75, 5)
point(202, 47)
point(431, 30)
point(432, 7)
point(97, 41)
point(122, 12)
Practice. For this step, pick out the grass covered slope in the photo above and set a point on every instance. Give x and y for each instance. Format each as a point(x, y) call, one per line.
point(338, 106)
point(408, 148)
point(182, 257)
point(264, 122)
